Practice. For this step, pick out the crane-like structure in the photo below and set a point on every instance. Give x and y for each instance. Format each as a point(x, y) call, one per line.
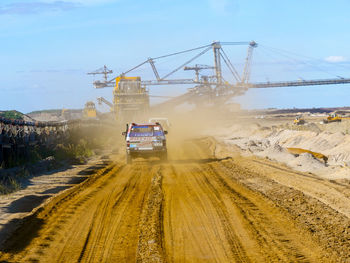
point(213, 87)
point(248, 62)
point(197, 68)
point(207, 87)
point(102, 71)
point(102, 100)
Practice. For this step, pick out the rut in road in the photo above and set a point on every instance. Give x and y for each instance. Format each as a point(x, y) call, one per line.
point(187, 210)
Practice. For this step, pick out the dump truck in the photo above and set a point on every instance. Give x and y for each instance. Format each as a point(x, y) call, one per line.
point(131, 100)
point(89, 111)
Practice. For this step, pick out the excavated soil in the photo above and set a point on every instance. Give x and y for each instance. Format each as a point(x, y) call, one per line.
point(195, 208)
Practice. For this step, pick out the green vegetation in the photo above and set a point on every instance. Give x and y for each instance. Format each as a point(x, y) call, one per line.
point(75, 152)
point(10, 182)
point(82, 143)
point(12, 114)
point(54, 111)
point(6, 188)
point(34, 154)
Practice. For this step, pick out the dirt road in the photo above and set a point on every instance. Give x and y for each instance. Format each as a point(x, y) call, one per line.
point(195, 208)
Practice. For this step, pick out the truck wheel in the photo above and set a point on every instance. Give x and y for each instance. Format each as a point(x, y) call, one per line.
point(128, 159)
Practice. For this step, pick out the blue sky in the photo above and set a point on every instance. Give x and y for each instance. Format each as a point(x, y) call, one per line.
point(48, 46)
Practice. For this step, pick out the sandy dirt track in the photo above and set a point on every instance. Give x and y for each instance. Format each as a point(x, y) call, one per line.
point(195, 208)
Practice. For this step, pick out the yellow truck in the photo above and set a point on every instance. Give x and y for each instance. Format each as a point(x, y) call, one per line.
point(89, 111)
point(332, 118)
point(299, 120)
point(131, 99)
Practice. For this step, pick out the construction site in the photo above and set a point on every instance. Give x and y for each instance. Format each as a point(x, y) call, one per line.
point(166, 163)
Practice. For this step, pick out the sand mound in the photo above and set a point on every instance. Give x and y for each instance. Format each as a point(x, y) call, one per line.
point(271, 142)
point(306, 162)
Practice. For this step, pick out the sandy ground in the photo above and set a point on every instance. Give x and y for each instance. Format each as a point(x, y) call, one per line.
point(39, 190)
point(271, 138)
point(207, 204)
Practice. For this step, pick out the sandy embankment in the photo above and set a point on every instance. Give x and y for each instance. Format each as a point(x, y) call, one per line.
point(39, 190)
point(272, 142)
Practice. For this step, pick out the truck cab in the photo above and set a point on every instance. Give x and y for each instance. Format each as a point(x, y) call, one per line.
point(145, 140)
point(90, 110)
point(131, 99)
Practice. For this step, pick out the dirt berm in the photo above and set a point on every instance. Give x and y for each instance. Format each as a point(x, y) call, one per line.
point(195, 208)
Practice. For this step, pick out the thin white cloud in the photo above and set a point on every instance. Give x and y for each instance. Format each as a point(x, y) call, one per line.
point(335, 59)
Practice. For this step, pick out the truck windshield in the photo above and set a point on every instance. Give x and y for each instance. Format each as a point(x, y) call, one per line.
point(144, 131)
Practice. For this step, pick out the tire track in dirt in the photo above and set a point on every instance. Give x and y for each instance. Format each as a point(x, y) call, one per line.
point(105, 225)
point(334, 194)
point(198, 209)
point(150, 243)
point(193, 231)
point(102, 219)
point(86, 220)
point(237, 250)
point(249, 227)
point(118, 226)
point(264, 223)
point(193, 209)
point(331, 229)
point(57, 210)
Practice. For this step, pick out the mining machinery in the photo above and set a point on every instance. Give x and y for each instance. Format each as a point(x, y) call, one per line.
point(102, 100)
point(89, 111)
point(102, 71)
point(213, 88)
point(299, 120)
point(334, 117)
point(197, 68)
point(131, 99)
point(130, 94)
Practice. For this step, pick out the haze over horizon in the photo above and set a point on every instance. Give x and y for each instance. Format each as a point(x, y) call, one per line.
point(48, 46)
